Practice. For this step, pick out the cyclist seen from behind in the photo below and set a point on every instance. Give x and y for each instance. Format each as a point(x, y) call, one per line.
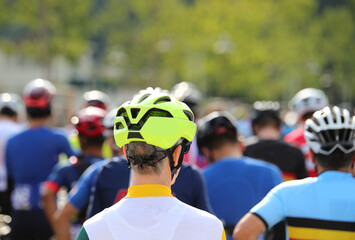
point(305, 103)
point(155, 131)
point(30, 157)
point(113, 181)
point(10, 105)
point(266, 125)
point(88, 123)
point(320, 207)
point(234, 183)
point(79, 195)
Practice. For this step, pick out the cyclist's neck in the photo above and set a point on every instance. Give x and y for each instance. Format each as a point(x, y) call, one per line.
point(162, 178)
point(38, 122)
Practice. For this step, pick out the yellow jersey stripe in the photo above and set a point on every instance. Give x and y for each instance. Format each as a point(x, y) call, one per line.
point(148, 190)
point(318, 234)
point(224, 235)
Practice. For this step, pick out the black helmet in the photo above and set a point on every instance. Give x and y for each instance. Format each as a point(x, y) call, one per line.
point(266, 111)
point(214, 126)
point(330, 129)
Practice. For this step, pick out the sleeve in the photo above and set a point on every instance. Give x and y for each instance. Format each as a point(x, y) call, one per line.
point(270, 210)
point(65, 147)
point(276, 177)
point(82, 234)
point(95, 204)
point(79, 196)
point(200, 192)
point(56, 179)
point(8, 160)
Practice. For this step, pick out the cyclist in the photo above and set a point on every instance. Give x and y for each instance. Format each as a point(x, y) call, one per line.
point(320, 207)
point(9, 111)
point(88, 123)
point(154, 130)
point(189, 94)
point(93, 98)
point(234, 183)
point(30, 157)
point(79, 196)
point(266, 125)
point(113, 181)
point(305, 103)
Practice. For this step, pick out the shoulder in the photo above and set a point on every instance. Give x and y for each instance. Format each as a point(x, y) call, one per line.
point(96, 224)
point(116, 165)
point(295, 135)
point(202, 222)
point(62, 166)
point(258, 164)
point(16, 137)
point(188, 169)
point(290, 188)
point(59, 133)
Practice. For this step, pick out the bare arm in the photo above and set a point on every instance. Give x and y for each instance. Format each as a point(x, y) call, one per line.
point(63, 221)
point(249, 228)
point(49, 205)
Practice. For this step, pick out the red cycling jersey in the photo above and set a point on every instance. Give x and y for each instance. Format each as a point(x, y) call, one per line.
point(296, 138)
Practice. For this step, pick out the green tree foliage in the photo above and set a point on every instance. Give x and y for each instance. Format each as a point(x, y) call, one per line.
point(45, 28)
point(247, 48)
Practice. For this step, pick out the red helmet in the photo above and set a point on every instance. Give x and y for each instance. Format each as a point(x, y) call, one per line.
point(96, 98)
point(38, 93)
point(89, 121)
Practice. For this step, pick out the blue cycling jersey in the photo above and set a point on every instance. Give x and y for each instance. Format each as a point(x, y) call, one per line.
point(314, 208)
point(30, 157)
point(234, 186)
point(79, 196)
point(111, 185)
point(67, 174)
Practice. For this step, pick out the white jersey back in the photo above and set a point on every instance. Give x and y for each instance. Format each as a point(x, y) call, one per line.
point(153, 218)
point(8, 129)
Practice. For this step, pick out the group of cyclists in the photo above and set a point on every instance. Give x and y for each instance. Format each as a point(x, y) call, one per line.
point(156, 168)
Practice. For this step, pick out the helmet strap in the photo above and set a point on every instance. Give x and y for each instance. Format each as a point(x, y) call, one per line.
point(173, 168)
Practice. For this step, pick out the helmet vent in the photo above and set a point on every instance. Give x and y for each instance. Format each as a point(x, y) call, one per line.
point(134, 112)
point(189, 115)
point(121, 112)
point(134, 135)
point(145, 96)
point(162, 100)
point(153, 113)
point(119, 125)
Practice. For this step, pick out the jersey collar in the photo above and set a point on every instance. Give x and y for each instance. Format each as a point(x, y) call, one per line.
point(334, 175)
point(148, 190)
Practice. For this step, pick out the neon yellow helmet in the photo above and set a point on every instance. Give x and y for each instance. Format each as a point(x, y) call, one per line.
point(155, 118)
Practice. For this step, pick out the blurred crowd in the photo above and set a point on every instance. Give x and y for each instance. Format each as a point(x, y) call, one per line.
point(54, 178)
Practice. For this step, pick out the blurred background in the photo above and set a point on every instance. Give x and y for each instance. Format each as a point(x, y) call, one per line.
point(241, 50)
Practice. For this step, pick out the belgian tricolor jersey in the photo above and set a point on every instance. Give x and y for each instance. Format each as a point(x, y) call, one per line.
point(314, 208)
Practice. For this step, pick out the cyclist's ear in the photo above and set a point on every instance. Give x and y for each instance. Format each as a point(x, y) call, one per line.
point(176, 155)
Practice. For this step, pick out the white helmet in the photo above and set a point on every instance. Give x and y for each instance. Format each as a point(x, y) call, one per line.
point(11, 101)
point(330, 129)
point(109, 120)
point(186, 92)
point(308, 100)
